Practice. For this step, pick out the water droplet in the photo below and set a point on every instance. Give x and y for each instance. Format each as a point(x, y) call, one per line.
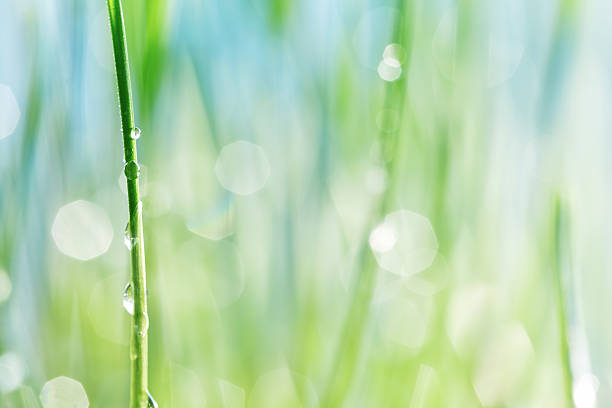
point(128, 239)
point(151, 403)
point(142, 326)
point(9, 111)
point(82, 230)
point(136, 132)
point(128, 298)
point(62, 392)
point(131, 170)
point(389, 70)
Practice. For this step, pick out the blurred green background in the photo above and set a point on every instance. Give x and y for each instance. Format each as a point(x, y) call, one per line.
point(346, 203)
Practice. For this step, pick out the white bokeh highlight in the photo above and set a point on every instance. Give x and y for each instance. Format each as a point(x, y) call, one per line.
point(242, 168)
point(5, 286)
point(12, 372)
point(279, 389)
point(503, 365)
point(9, 111)
point(232, 396)
point(82, 230)
point(389, 70)
point(63, 392)
point(584, 391)
point(404, 243)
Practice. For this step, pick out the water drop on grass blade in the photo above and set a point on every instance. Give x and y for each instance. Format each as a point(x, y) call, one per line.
point(128, 298)
point(128, 239)
point(136, 132)
point(131, 170)
point(151, 403)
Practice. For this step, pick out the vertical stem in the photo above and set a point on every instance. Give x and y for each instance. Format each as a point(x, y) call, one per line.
point(140, 320)
point(558, 236)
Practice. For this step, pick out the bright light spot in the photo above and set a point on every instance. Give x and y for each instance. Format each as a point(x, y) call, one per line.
point(422, 387)
point(279, 389)
point(213, 272)
point(215, 224)
point(232, 395)
point(405, 322)
point(383, 238)
point(372, 34)
point(502, 365)
point(503, 60)
point(242, 168)
point(444, 43)
point(405, 243)
point(506, 41)
point(12, 372)
point(105, 309)
point(5, 286)
point(9, 111)
point(376, 180)
point(585, 391)
point(389, 70)
point(63, 392)
point(186, 388)
point(394, 54)
point(82, 230)
point(466, 316)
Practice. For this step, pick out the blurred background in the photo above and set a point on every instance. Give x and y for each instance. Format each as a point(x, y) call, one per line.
point(346, 203)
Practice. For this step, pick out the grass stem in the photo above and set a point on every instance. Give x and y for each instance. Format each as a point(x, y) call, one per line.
point(140, 321)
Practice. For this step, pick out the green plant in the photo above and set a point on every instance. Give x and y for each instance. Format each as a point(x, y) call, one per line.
point(139, 397)
point(559, 250)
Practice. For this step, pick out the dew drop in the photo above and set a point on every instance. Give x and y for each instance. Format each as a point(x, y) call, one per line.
point(128, 239)
point(128, 298)
point(151, 403)
point(131, 170)
point(136, 132)
point(143, 326)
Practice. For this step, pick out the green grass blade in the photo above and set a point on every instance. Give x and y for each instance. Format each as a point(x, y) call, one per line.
point(140, 320)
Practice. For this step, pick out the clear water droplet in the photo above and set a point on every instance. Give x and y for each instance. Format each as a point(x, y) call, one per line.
point(143, 326)
point(128, 239)
point(131, 170)
point(128, 298)
point(136, 132)
point(151, 403)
